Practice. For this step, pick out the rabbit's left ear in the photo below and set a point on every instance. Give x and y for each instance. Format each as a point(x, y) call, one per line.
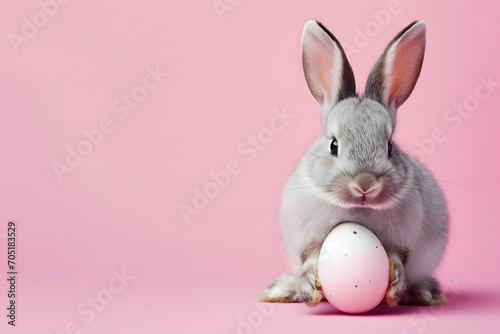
point(328, 73)
point(395, 73)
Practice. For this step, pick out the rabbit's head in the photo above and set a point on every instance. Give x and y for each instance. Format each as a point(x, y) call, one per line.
point(359, 164)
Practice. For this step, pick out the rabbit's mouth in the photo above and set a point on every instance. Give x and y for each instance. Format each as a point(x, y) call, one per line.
point(363, 201)
point(373, 199)
point(364, 189)
point(366, 202)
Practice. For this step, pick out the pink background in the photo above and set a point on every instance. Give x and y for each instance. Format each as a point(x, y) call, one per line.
point(119, 208)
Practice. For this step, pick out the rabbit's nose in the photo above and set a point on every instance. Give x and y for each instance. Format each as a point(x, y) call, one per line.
point(365, 183)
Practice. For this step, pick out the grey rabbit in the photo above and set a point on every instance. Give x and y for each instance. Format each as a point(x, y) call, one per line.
point(356, 173)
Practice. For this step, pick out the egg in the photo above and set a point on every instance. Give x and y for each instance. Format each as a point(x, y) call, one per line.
point(353, 268)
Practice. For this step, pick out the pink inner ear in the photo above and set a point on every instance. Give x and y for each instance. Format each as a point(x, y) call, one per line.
point(406, 63)
point(323, 64)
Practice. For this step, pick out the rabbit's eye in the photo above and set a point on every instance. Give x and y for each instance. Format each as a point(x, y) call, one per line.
point(334, 147)
point(389, 148)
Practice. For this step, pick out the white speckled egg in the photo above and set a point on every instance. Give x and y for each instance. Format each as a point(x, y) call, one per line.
point(353, 268)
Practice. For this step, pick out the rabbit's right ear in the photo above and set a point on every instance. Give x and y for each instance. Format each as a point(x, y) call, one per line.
point(328, 74)
point(395, 73)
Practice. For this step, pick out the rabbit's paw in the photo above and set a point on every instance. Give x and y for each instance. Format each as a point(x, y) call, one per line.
point(308, 287)
point(425, 292)
point(397, 283)
point(281, 290)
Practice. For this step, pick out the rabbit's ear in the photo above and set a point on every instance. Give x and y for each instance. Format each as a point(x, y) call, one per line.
point(328, 73)
point(395, 73)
